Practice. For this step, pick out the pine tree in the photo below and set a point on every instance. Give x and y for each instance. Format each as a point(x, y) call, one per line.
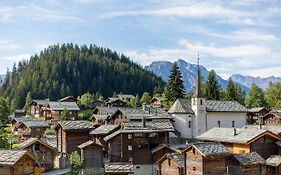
point(255, 98)
point(273, 95)
point(233, 92)
point(211, 87)
point(174, 88)
point(65, 115)
point(145, 99)
point(4, 110)
point(28, 99)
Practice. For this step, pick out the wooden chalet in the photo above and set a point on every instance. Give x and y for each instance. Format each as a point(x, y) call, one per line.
point(16, 162)
point(32, 128)
point(246, 164)
point(17, 121)
point(71, 134)
point(170, 164)
point(160, 151)
point(115, 102)
point(256, 114)
point(19, 113)
point(43, 152)
point(36, 107)
point(91, 154)
point(101, 132)
point(205, 158)
point(134, 142)
point(272, 118)
point(125, 97)
point(118, 168)
point(273, 165)
point(244, 140)
point(100, 114)
point(156, 101)
point(54, 110)
point(68, 99)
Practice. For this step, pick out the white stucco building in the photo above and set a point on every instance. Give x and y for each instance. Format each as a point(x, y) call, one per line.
point(196, 116)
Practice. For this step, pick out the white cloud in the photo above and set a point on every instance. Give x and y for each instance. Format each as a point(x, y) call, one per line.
point(32, 11)
point(8, 45)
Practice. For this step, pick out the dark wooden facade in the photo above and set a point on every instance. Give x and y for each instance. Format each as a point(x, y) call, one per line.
point(160, 151)
point(91, 154)
point(255, 114)
point(27, 132)
point(272, 119)
point(170, 164)
point(53, 116)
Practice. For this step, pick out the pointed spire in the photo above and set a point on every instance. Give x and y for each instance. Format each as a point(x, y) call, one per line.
point(197, 92)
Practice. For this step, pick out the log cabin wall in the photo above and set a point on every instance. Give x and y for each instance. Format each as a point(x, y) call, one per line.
point(193, 162)
point(168, 167)
point(265, 146)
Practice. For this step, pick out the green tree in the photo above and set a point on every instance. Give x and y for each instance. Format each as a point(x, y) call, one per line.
point(137, 101)
point(86, 100)
point(75, 162)
point(255, 97)
point(4, 110)
point(174, 88)
point(145, 98)
point(28, 99)
point(273, 95)
point(65, 115)
point(234, 92)
point(211, 87)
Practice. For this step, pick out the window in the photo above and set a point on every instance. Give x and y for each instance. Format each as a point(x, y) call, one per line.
point(233, 124)
point(219, 123)
point(37, 147)
point(138, 135)
point(193, 151)
point(201, 102)
point(130, 148)
point(189, 124)
point(130, 136)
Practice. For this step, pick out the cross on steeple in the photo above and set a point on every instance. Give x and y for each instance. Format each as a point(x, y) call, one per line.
point(197, 93)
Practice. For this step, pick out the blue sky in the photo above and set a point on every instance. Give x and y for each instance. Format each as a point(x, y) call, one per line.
point(239, 36)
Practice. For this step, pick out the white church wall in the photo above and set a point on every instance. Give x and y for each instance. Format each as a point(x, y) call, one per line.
point(181, 124)
point(226, 119)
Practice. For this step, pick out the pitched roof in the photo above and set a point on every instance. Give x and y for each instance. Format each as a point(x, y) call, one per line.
point(181, 106)
point(51, 140)
point(160, 147)
point(40, 102)
point(125, 96)
point(177, 158)
point(274, 160)
point(68, 97)
point(76, 125)
point(90, 142)
point(276, 114)
point(119, 167)
point(99, 116)
point(252, 158)
point(31, 141)
point(210, 149)
point(156, 98)
point(243, 136)
point(10, 157)
point(106, 110)
point(272, 128)
point(36, 123)
point(256, 109)
point(60, 106)
point(138, 113)
point(104, 129)
point(225, 106)
point(21, 119)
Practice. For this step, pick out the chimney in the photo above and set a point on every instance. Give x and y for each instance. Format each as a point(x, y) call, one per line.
point(235, 132)
point(143, 107)
point(143, 122)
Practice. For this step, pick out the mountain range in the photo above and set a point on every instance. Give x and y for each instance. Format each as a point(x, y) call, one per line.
point(189, 74)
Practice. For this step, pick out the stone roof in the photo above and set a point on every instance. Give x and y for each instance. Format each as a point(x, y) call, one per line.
point(51, 140)
point(177, 158)
point(211, 149)
point(60, 106)
point(99, 116)
point(119, 167)
point(110, 136)
point(125, 96)
point(106, 110)
point(68, 97)
point(276, 114)
point(90, 142)
point(243, 136)
point(23, 118)
point(181, 106)
point(157, 98)
point(161, 147)
point(274, 160)
point(76, 125)
point(225, 106)
point(104, 129)
point(10, 157)
point(36, 123)
point(31, 141)
point(252, 158)
point(40, 102)
point(272, 128)
point(256, 109)
point(149, 112)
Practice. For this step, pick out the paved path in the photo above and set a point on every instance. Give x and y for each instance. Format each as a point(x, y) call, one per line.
point(56, 172)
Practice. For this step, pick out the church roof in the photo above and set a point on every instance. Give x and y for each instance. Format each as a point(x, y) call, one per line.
point(181, 106)
point(225, 106)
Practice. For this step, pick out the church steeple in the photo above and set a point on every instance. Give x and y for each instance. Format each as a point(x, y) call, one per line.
point(198, 93)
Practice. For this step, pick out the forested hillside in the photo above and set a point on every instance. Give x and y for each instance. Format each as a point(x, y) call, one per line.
point(68, 69)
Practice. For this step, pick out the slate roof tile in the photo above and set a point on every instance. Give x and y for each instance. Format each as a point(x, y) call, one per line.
point(274, 160)
point(10, 157)
point(76, 125)
point(60, 106)
point(252, 158)
point(104, 129)
point(119, 167)
point(211, 149)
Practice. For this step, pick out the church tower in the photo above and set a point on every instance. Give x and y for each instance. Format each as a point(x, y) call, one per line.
point(198, 105)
